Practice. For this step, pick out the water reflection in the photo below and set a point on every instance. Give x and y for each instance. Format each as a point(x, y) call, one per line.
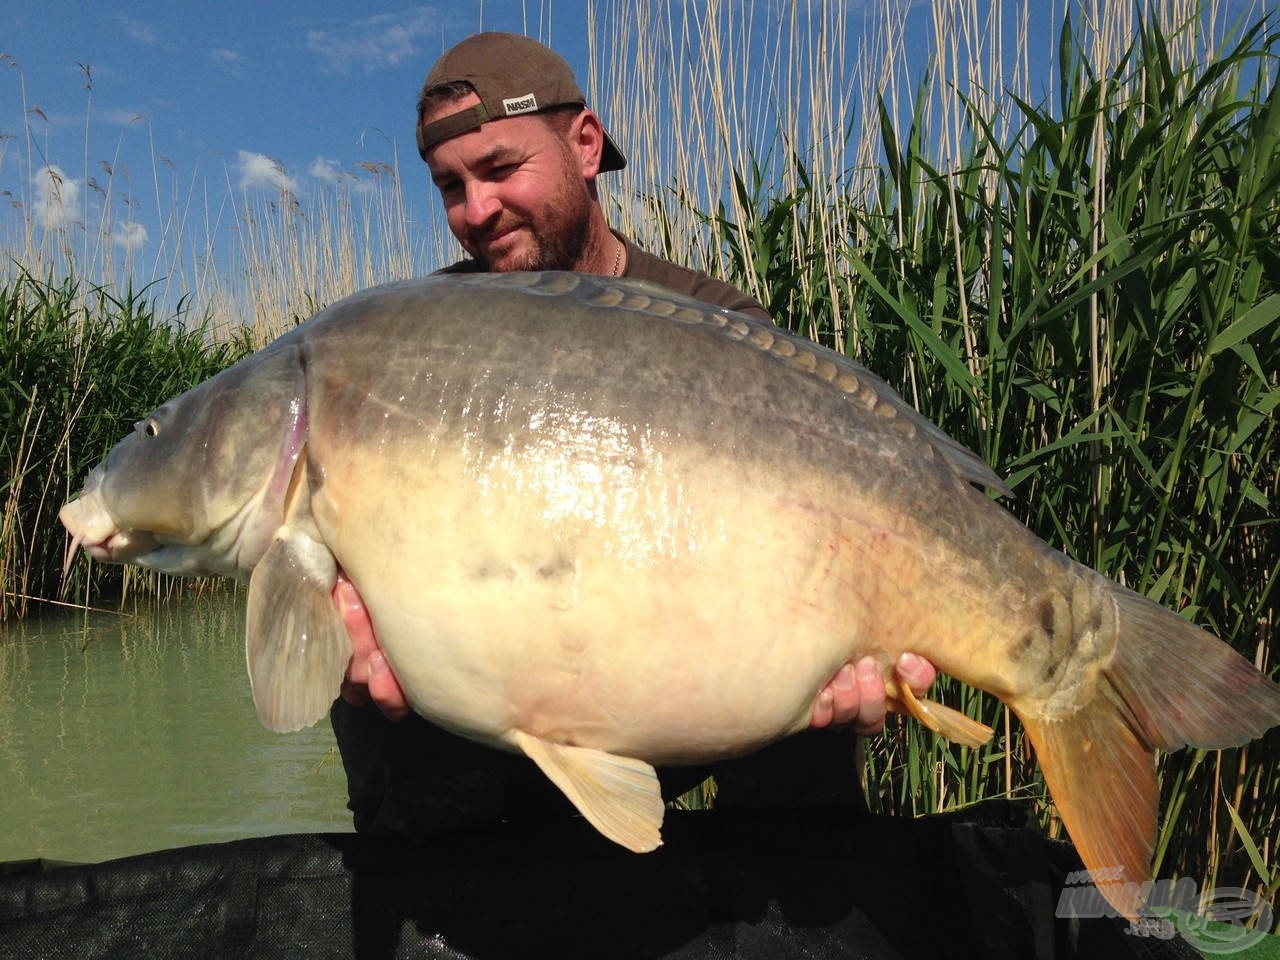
point(123, 734)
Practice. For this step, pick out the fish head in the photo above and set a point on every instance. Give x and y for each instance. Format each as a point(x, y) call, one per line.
point(199, 485)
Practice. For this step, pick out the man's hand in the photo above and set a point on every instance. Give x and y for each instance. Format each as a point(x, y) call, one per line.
point(856, 693)
point(369, 676)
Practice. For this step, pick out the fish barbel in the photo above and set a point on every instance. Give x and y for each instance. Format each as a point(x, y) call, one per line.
point(610, 527)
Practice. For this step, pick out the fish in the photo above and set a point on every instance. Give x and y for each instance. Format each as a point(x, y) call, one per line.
point(613, 528)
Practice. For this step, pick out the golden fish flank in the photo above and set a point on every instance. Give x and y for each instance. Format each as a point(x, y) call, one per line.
point(549, 489)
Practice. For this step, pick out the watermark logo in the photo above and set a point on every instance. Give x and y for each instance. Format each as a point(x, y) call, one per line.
point(1219, 921)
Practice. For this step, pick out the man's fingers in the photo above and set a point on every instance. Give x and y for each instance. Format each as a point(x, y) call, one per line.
point(347, 599)
point(384, 689)
point(869, 717)
point(369, 676)
point(823, 709)
point(846, 695)
point(916, 672)
point(855, 695)
point(356, 618)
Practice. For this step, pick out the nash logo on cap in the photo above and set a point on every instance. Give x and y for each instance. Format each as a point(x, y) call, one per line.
point(526, 104)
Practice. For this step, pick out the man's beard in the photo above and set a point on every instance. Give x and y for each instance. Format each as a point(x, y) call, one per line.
point(555, 249)
point(558, 251)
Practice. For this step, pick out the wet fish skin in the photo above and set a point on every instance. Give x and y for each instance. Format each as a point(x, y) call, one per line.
point(611, 527)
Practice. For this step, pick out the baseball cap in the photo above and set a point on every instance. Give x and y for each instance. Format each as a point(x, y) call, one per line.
point(512, 75)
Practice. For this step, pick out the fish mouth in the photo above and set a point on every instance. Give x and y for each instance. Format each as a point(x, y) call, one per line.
point(119, 546)
point(93, 530)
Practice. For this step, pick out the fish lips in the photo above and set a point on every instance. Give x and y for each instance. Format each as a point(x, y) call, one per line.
point(123, 546)
point(112, 545)
point(92, 528)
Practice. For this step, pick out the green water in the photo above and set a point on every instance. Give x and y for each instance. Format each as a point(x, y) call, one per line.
point(125, 734)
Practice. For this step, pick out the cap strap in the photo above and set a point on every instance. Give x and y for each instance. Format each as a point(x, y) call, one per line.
point(430, 134)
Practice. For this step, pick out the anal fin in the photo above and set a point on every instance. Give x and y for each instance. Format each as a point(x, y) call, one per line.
point(296, 644)
point(938, 717)
point(619, 796)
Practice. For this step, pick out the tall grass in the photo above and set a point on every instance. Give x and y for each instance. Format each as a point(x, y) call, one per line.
point(1098, 320)
point(78, 367)
point(1062, 249)
point(294, 255)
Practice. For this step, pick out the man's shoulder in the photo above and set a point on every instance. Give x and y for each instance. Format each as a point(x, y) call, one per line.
point(463, 266)
point(642, 265)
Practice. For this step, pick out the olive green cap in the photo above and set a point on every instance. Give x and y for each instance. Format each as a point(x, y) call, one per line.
point(512, 75)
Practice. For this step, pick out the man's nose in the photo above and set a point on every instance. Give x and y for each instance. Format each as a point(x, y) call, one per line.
point(482, 204)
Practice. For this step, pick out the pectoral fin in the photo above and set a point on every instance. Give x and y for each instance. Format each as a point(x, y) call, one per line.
point(939, 718)
point(619, 796)
point(295, 643)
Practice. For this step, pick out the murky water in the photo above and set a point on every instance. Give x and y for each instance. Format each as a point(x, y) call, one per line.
point(124, 734)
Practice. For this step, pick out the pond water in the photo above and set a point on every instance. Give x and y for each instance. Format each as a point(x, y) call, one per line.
point(126, 733)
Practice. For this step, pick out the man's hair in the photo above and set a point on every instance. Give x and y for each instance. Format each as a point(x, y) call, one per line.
point(440, 94)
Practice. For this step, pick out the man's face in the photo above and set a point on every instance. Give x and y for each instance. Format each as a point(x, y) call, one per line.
point(514, 192)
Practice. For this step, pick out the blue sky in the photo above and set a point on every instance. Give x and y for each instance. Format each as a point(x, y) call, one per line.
point(235, 91)
point(155, 103)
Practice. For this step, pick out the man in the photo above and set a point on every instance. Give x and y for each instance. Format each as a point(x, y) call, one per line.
point(514, 151)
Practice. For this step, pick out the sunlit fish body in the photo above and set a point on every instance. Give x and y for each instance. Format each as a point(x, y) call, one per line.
point(611, 528)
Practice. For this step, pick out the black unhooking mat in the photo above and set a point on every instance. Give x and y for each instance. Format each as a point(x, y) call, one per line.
point(756, 886)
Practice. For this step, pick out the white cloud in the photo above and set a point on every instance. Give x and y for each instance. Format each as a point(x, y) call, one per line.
point(129, 235)
point(327, 171)
point(258, 171)
point(55, 198)
point(228, 60)
point(375, 42)
point(143, 33)
point(331, 173)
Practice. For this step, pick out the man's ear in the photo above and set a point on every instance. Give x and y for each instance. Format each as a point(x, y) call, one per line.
point(586, 136)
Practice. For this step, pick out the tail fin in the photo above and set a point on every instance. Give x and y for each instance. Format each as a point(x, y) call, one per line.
point(1168, 684)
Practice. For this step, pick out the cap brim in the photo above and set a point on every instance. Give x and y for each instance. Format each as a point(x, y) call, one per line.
point(611, 157)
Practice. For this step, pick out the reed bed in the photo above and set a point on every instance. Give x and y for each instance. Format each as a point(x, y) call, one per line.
point(1062, 247)
point(78, 366)
point(1077, 280)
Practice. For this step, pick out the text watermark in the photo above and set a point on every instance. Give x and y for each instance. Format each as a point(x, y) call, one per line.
point(1218, 921)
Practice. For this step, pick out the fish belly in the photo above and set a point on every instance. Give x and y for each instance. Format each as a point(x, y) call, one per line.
point(672, 614)
point(672, 640)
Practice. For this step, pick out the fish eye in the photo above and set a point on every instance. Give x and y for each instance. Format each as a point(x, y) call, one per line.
point(148, 428)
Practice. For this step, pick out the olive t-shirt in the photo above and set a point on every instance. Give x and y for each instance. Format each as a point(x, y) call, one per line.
point(642, 265)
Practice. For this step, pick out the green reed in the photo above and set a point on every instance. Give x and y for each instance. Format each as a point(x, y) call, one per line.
point(78, 365)
point(1089, 300)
